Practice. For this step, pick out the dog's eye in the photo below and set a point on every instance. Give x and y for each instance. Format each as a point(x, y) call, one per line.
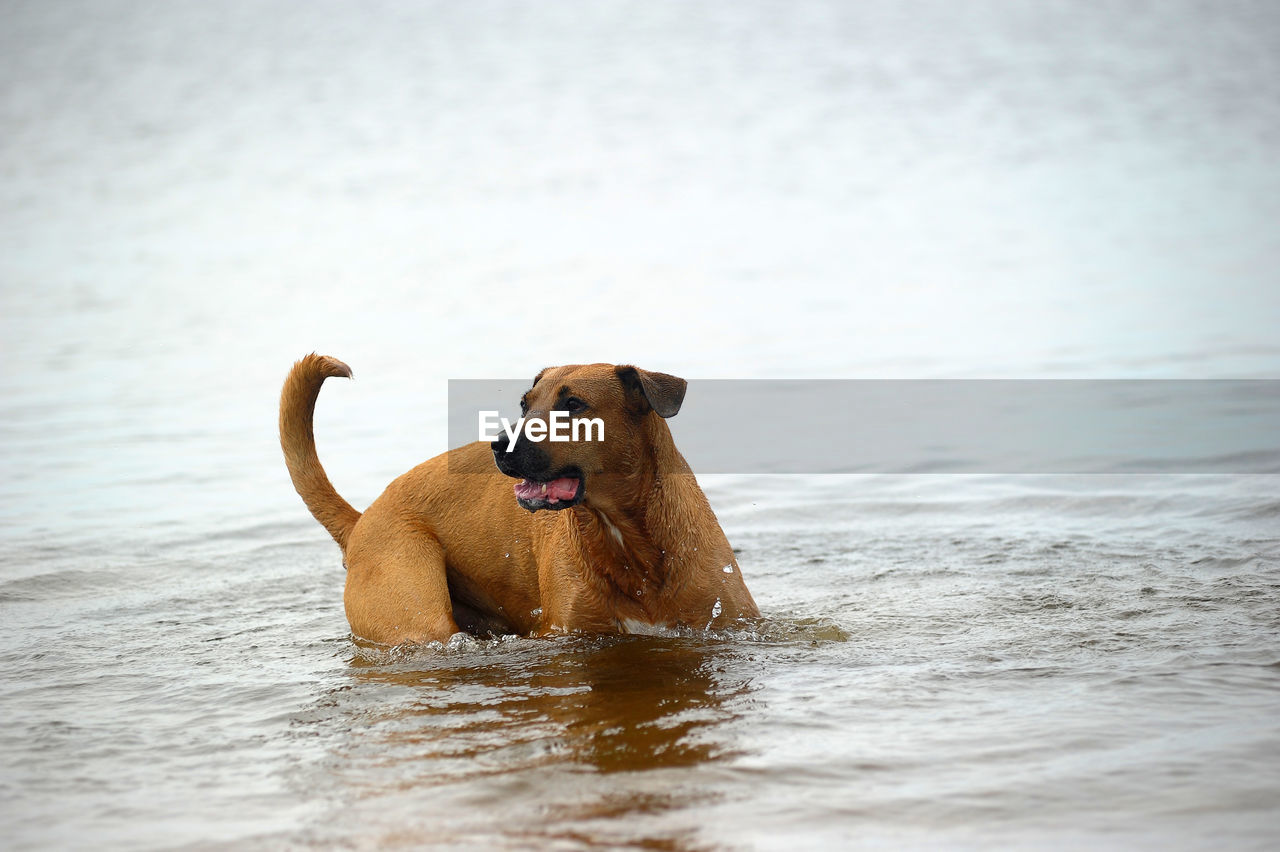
point(524, 405)
point(573, 404)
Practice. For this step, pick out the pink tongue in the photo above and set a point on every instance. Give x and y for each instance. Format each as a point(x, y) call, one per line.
point(564, 488)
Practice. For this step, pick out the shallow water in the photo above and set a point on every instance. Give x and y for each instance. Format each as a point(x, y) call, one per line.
point(967, 660)
point(194, 198)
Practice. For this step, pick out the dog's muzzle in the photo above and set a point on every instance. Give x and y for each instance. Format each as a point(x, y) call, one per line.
point(539, 486)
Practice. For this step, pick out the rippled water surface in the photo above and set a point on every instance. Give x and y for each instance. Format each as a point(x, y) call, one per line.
point(946, 659)
point(194, 195)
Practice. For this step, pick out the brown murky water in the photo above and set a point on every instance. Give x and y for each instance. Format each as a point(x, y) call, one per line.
point(972, 660)
point(194, 195)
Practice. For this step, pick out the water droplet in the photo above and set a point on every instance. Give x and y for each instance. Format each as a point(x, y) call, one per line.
point(717, 609)
point(506, 556)
point(537, 612)
point(728, 569)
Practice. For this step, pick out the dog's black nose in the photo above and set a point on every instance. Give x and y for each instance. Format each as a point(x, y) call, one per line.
point(503, 459)
point(524, 459)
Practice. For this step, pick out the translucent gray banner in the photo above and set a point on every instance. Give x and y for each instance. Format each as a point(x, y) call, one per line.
point(951, 426)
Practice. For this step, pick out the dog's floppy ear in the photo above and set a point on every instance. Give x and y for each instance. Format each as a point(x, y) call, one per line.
point(661, 391)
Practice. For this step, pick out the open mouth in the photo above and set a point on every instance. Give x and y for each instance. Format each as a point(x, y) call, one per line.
point(559, 493)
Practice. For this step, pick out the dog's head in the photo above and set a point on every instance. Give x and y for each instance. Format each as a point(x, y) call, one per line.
point(600, 409)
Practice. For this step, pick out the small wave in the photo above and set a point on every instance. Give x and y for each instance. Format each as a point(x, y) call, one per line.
point(1249, 510)
point(54, 585)
point(374, 653)
point(774, 631)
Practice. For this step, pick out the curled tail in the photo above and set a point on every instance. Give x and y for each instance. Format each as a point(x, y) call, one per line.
point(297, 439)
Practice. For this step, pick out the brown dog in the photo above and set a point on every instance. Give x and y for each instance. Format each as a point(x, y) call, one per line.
point(601, 536)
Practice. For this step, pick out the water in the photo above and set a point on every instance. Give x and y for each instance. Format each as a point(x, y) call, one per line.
point(194, 196)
